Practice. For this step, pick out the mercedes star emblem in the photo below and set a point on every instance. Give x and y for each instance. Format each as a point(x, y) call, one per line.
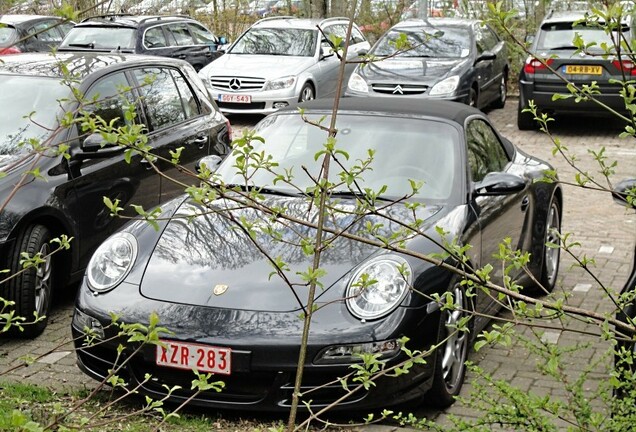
point(235, 84)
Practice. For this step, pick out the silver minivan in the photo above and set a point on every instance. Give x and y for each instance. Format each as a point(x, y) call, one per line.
point(279, 61)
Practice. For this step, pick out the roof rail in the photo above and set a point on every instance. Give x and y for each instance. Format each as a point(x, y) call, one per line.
point(160, 17)
point(273, 18)
point(335, 19)
point(111, 15)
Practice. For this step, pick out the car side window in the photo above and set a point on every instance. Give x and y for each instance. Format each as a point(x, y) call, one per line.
point(485, 152)
point(160, 96)
point(155, 38)
point(189, 100)
point(45, 31)
point(489, 37)
point(109, 98)
point(356, 36)
point(181, 34)
point(340, 30)
point(202, 35)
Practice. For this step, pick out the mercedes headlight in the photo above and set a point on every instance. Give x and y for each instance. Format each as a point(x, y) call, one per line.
point(279, 84)
point(111, 262)
point(445, 86)
point(378, 287)
point(358, 84)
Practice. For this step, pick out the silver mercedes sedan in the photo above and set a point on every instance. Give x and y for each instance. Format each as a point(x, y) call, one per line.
point(280, 61)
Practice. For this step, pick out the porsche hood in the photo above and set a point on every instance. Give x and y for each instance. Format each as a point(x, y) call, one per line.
point(212, 260)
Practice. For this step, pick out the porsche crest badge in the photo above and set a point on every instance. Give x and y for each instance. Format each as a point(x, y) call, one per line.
point(220, 289)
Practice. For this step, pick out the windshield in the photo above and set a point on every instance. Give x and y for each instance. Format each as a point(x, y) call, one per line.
point(7, 35)
point(444, 42)
point(421, 150)
point(277, 41)
point(37, 95)
point(561, 35)
point(100, 38)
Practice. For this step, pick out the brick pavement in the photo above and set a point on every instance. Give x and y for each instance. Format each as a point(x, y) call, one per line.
point(607, 233)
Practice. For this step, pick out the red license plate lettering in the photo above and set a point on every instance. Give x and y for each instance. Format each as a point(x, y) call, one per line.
point(203, 358)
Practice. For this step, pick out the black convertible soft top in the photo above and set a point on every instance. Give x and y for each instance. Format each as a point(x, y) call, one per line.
point(454, 111)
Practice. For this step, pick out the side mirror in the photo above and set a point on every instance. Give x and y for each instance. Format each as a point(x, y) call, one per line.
point(93, 142)
point(529, 40)
point(363, 52)
point(223, 40)
point(326, 51)
point(622, 190)
point(486, 55)
point(94, 147)
point(211, 162)
point(499, 183)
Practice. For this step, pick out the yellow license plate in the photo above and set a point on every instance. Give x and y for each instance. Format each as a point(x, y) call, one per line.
point(583, 70)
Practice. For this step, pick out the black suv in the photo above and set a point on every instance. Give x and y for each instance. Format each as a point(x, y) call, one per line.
point(31, 33)
point(554, 43)
point(166, 36)
point(163, 96)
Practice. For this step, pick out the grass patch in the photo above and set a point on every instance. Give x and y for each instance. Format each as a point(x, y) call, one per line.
point(28, 407)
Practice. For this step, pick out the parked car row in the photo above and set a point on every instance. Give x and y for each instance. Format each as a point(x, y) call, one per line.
point(211, 284)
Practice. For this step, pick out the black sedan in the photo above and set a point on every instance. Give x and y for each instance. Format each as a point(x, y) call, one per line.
point(441, 58)
point(210, 282)
point(39, 115)
point(31, 33)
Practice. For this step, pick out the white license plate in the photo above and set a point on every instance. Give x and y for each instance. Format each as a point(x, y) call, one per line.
point(203, 358)
point(235, 98)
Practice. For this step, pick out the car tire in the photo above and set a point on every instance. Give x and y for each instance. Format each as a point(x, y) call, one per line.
point(551, 257)
point(500, 102)
point(449, 369)
point(32, 289)
point(525, 120)
point(307, 93)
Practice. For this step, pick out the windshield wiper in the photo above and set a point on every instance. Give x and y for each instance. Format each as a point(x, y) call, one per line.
point(78, 45)
point(261, 190)
point(353, 194)
point(563, 47)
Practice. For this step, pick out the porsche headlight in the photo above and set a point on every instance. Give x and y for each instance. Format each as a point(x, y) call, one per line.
point(445, 86)
point(358, 84)
point(111, 262)
point(279, 84)
point(378, 287)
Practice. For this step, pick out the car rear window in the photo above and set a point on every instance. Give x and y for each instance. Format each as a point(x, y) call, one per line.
point(100, 38)
point(7, 36)
point(560, 35)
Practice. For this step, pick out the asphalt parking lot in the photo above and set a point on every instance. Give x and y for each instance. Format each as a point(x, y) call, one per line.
point(606, 231)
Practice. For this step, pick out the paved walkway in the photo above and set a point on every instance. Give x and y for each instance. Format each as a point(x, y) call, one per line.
point(606, 231)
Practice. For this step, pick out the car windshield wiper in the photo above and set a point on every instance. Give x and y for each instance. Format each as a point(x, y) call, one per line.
point(354, 194)
point(78, 45)
point(261, 189)
point(563, 47)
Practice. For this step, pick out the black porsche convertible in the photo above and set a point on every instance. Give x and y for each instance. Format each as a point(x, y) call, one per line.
point(438, 167)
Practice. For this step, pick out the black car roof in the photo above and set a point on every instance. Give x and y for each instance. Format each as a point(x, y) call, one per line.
point(79, 64)
point(453, 111)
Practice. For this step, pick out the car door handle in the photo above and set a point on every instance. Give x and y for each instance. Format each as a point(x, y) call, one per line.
point(199, 141)
point(181, 56)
